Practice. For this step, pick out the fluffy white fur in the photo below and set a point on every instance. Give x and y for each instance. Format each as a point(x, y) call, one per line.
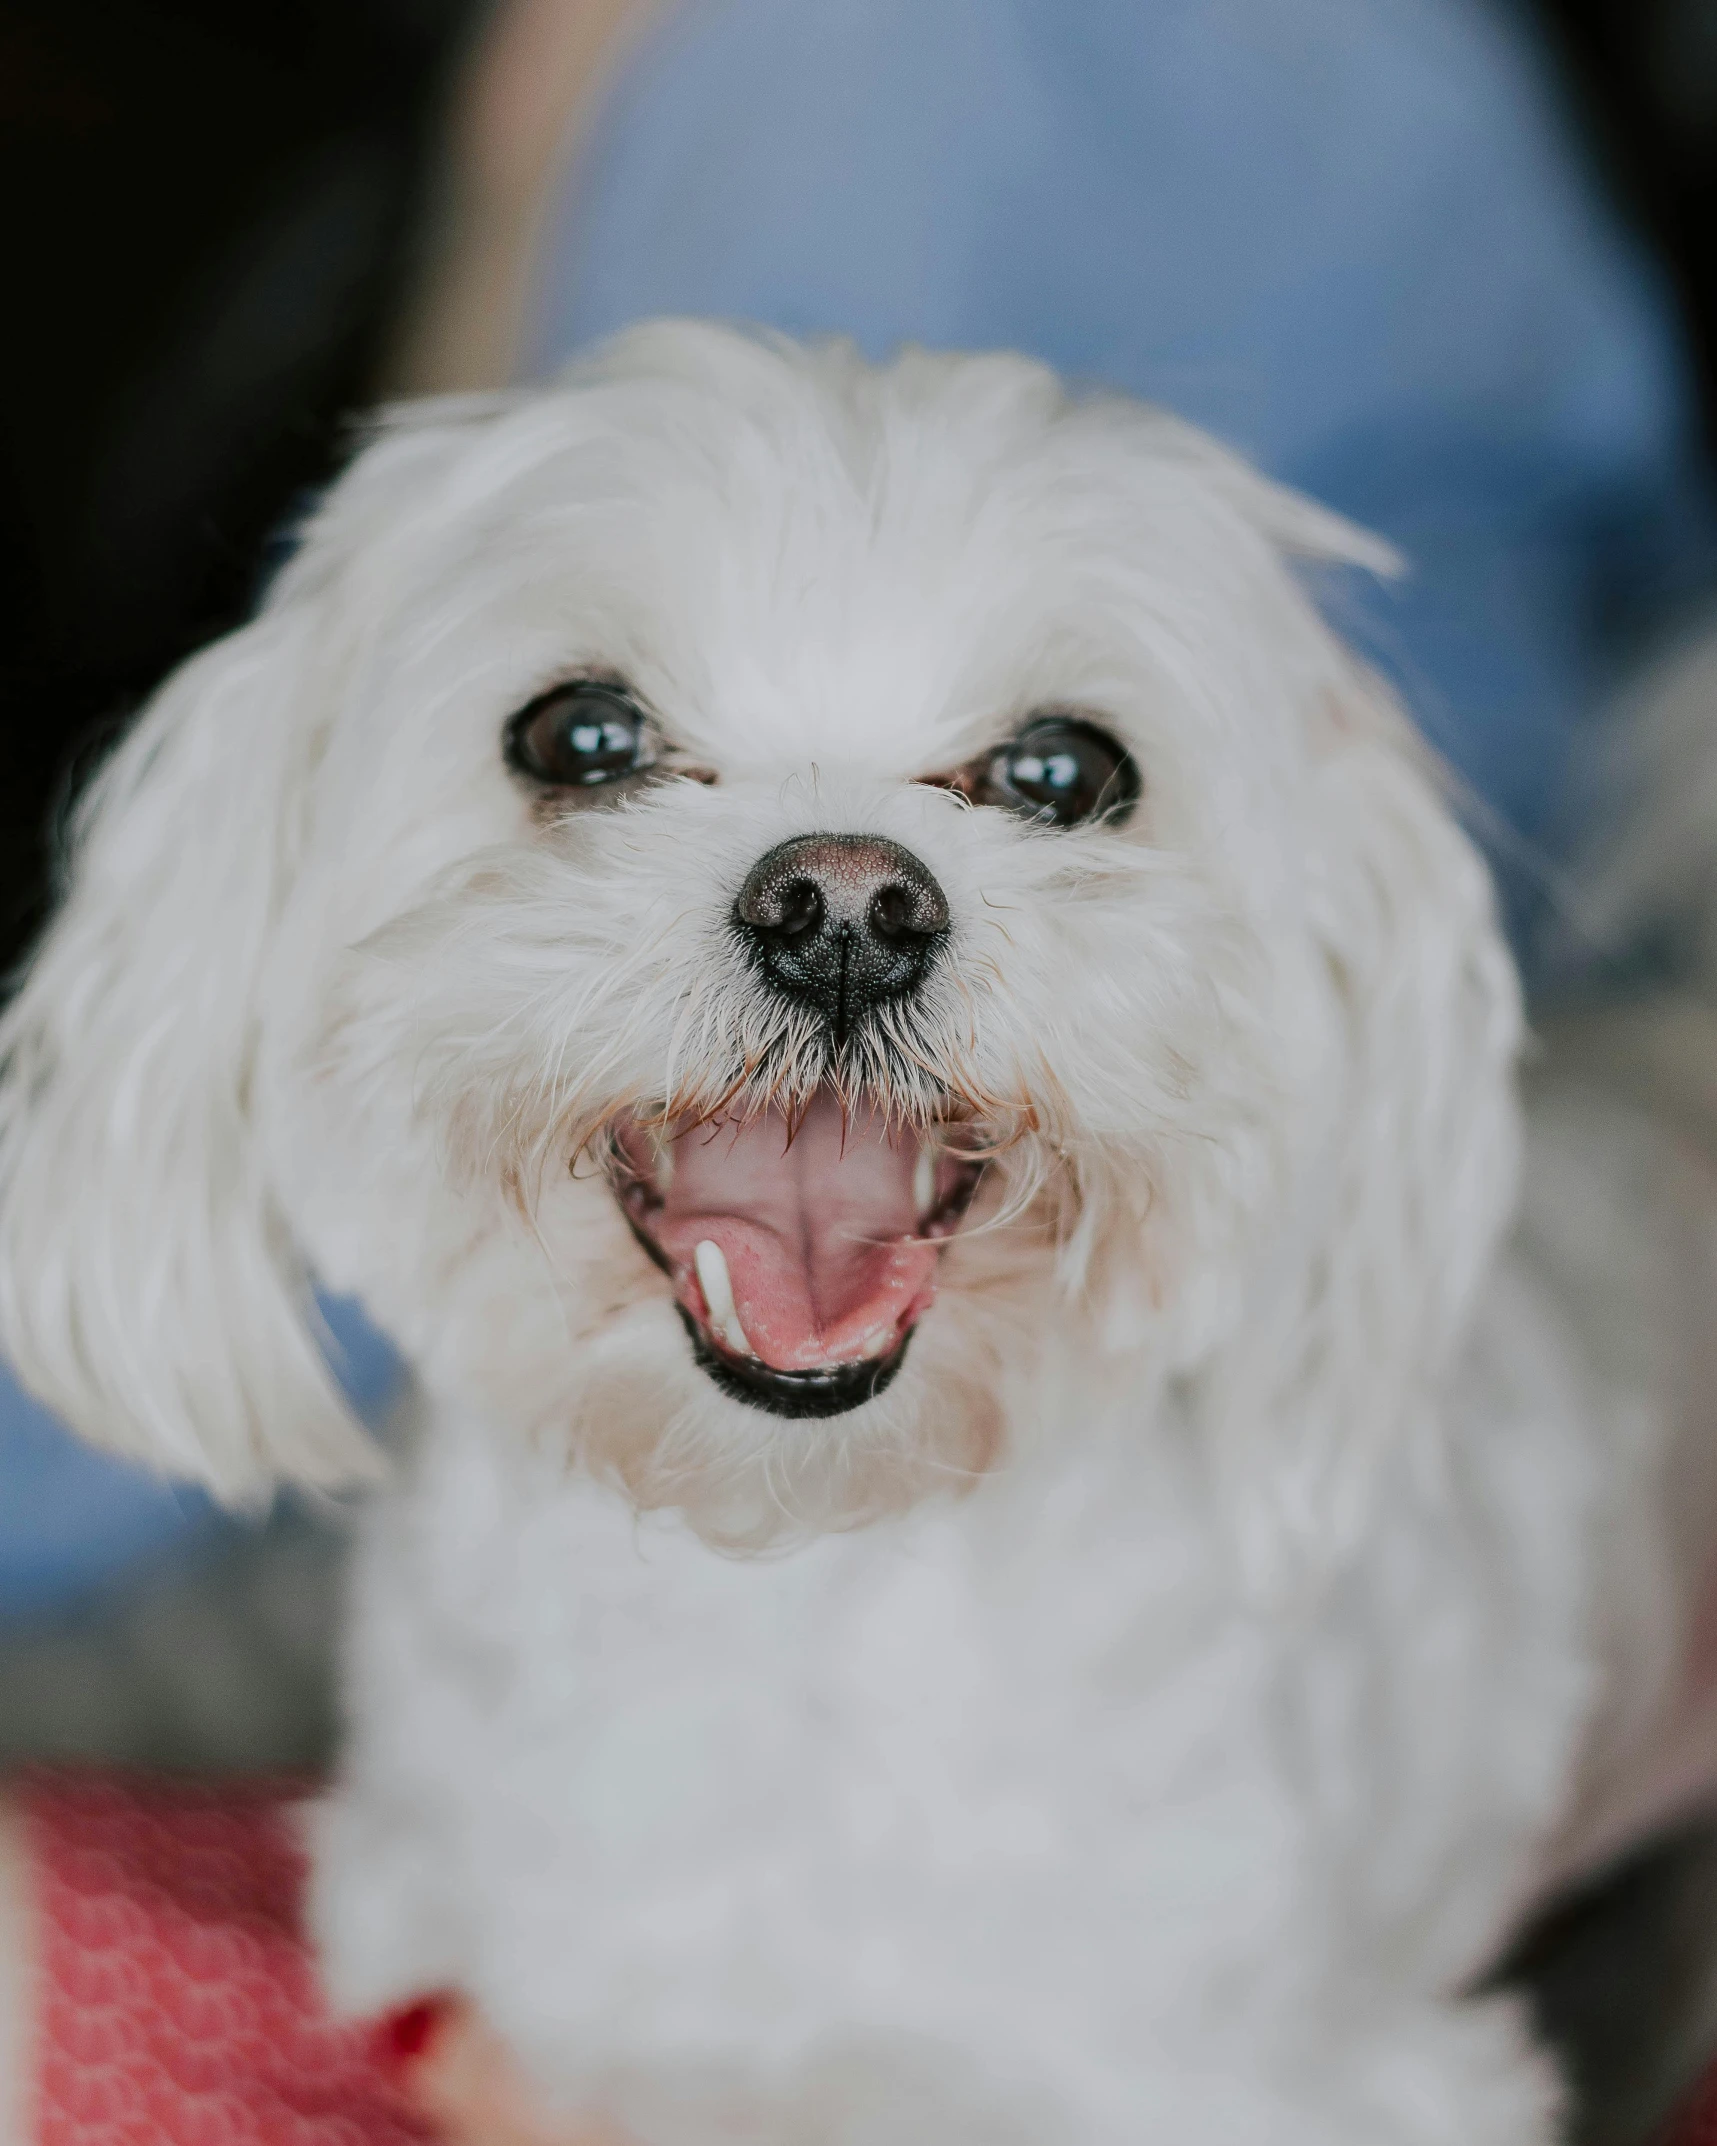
point(1145, 1718)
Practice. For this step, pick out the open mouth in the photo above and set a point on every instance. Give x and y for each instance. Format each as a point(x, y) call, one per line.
point(802, 1251)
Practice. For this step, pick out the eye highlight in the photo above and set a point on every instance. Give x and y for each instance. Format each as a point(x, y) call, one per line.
point(1061, 771)
point(584, 735)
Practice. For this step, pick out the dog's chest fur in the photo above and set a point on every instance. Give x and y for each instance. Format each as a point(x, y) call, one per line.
point(1028, 1757)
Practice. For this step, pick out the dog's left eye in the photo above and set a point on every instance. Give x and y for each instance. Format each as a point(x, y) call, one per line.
point(1062, 770)
point(583, 736)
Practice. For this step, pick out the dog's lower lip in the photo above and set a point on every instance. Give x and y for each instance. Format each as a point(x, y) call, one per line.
point(831, 1390)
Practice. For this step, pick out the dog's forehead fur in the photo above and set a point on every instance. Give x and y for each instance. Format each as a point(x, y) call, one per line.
point(800, 562)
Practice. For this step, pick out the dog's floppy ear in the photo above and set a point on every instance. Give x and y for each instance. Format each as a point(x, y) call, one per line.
point(148, 1287)
point(1361, 1302)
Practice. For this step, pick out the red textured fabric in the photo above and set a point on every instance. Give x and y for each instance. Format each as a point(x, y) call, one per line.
point(177, 2005)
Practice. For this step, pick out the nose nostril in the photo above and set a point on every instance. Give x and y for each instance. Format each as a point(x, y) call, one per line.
point(801, 909)
point(893, 912)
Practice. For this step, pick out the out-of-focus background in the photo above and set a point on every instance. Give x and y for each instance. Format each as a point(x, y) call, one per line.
point(1451, 264)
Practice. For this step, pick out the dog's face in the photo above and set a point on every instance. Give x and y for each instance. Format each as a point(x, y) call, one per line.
point(786, 926)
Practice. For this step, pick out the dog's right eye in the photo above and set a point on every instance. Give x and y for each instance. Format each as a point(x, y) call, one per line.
point(582, 736)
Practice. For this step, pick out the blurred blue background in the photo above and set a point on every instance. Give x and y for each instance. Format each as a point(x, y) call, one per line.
point(72, 1519)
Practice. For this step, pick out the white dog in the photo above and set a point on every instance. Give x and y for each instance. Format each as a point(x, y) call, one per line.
point(1010, 1533)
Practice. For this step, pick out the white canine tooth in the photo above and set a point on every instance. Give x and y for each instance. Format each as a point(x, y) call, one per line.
point(924, 1183)
point(717, 1287)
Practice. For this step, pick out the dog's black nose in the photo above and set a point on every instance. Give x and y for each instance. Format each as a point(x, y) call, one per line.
point(842, 922)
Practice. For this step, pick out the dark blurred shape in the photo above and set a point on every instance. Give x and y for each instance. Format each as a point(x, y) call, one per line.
point(1620, 1980)
point(213, 212)
point(1644, 75)
point(218, 1662)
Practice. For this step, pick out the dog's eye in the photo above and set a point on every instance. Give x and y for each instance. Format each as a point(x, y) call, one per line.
point(583, 736)
point(1063, 770)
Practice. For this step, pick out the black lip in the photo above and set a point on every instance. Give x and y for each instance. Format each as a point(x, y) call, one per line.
point(830, 1390)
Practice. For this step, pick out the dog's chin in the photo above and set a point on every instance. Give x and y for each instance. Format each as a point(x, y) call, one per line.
point(802, 1247)
point(675, 1432)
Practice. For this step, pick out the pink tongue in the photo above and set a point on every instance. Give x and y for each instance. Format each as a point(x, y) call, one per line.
point(816, 1230)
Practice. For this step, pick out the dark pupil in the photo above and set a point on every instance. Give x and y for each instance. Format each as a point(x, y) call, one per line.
point(586, 739)
point(1066, 773)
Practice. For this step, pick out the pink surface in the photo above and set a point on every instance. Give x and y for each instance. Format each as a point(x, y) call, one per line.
point(178, 2004)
